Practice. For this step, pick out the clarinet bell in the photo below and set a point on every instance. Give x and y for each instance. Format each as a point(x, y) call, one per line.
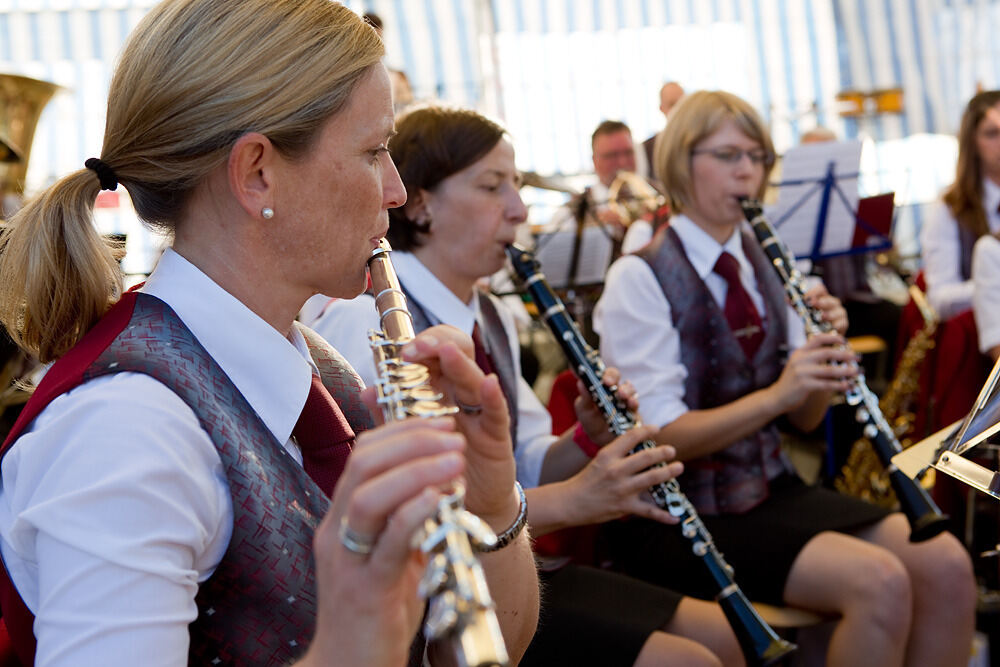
point(926, 519)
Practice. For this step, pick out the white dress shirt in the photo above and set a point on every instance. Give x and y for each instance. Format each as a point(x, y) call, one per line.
point(941, 249)
point(114, 503)
point(986, 291)
point(344, 322)
point(637, 333)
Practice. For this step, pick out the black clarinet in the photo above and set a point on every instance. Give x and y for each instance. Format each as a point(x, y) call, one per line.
point(926, 519)
point(759, 643)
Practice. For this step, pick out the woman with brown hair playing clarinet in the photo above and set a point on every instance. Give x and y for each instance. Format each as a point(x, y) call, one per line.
point(463, 208)
point(698, 321)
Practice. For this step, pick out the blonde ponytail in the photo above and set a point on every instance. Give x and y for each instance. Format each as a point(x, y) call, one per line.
point(57, 274)
point(194, 76)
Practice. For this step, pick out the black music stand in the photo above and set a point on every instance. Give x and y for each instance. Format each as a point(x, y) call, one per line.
point(945, 449)
point(575, 260)
point(830, 163)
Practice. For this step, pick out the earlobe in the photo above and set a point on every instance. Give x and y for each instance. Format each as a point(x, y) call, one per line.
point(417, 207)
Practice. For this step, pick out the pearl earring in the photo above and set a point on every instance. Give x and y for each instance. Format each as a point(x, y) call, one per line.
point(267, 212)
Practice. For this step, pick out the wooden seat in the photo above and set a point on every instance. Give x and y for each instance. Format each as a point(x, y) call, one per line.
point(867, 344)
point(789, 618)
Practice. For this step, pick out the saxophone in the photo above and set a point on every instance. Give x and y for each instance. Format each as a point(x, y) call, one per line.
point(863, 475)
point(460, 612)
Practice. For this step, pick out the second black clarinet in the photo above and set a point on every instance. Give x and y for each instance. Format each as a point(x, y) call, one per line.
point(759, 643)
point(926, 520)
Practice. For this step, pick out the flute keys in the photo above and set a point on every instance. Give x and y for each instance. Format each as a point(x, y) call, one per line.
point(442, 615)
point(435, 576)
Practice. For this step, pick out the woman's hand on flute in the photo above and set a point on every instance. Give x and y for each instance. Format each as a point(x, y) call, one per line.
point(368, 610)
point(482, 418)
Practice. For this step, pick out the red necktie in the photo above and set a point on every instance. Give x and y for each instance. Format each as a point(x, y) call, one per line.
point(324, 436)
point(741, 314)
point(482, 358)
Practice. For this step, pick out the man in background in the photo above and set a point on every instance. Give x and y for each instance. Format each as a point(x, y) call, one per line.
point(670, 94)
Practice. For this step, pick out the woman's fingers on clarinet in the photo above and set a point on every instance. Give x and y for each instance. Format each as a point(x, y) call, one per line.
point(641, 460)
point(611, 376)
point(657, 475)
point(646, 507)
point(627, 392)
point(827, 339)
point(623, 444)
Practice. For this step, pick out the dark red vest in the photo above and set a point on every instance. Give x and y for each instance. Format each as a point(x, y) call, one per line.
point(734, 479)
point(258, 607)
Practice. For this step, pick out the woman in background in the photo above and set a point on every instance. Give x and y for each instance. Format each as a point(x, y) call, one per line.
point(970, 209)
point(710, 367)
point(462, 210)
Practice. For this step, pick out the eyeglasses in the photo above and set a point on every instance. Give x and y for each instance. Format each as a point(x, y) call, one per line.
point(732, 155)
point(622, 154)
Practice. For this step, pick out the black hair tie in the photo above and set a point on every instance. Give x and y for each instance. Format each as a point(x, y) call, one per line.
point(105, 174)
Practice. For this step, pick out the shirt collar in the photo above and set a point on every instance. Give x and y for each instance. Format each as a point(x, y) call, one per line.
point(272, 372)
point(437, 301)
point(703, 251)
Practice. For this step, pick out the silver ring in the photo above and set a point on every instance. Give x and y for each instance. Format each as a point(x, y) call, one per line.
point(353, 541)
point(472, 410)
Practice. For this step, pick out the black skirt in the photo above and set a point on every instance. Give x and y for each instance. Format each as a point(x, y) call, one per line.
point(760, 545)
point(593, 617)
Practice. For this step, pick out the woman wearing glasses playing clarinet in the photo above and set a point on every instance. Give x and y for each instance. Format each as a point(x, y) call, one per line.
point(463, 208)
point(188, 487)
point(698, 321)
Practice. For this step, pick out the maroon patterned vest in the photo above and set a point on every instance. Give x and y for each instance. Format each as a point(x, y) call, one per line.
point(734, 479)
point(258, 607)
point(495, 339)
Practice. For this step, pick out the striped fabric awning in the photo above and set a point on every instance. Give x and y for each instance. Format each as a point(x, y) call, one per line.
point(552, 69)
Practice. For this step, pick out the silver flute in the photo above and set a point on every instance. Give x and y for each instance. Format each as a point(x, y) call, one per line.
point(460, 611)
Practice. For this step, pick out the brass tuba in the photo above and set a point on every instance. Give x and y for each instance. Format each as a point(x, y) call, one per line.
point(631, 196)
point(21, 103)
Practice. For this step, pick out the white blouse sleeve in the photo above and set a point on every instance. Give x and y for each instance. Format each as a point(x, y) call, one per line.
point(114, 507)
point(534, 425)
point(638, 337)
point(986, 296)
point(941, 250)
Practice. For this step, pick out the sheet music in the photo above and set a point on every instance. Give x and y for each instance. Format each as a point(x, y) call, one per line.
point(984, 418)
point(554, 251)
point(796, 213)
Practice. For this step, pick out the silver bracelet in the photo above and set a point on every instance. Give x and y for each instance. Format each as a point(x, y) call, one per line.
point(509, 535)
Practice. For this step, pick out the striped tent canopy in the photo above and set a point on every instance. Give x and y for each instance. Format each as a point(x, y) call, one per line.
point(552, 69)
